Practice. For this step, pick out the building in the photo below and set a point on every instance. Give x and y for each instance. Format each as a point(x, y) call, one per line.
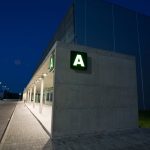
point(110, 29)
point(103, 25)
point(92, 90)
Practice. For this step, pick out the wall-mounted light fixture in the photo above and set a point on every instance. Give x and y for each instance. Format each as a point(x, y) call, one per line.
point(45, 74)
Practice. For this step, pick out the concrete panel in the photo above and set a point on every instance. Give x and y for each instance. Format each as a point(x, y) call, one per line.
point(104, 97)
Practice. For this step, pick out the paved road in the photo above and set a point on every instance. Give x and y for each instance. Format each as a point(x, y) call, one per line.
point(6, 110)
point(25, 133)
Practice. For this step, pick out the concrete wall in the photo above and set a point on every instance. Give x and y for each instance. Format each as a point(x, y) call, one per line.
point(102, 98)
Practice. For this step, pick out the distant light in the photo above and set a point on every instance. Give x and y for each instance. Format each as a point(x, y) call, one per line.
point(20, 94)
point(0, 82)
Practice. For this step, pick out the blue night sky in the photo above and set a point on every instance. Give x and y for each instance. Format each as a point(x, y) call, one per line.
point(26, 28)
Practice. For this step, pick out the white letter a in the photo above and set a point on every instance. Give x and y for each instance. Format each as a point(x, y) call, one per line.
point(78, 61)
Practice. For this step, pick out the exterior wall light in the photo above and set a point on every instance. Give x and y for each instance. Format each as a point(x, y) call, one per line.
point(45, 74)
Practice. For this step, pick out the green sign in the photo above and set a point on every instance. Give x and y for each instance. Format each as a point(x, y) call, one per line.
point(78, 60)
point(51, 63)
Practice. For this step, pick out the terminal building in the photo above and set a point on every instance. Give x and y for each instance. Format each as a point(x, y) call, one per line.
point(94, 76)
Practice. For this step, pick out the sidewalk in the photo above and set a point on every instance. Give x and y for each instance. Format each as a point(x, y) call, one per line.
point(24, 132)
point(44, 117)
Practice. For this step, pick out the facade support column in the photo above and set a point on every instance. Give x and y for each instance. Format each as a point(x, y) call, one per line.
point(45, 96)
point(41, 95)
point(30, 94)
point(34, 94)
point(24, 96)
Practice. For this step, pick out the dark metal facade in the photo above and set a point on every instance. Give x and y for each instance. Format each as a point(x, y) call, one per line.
point(103, 25)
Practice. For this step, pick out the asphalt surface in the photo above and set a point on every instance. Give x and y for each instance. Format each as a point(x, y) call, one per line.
point(6, 109)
